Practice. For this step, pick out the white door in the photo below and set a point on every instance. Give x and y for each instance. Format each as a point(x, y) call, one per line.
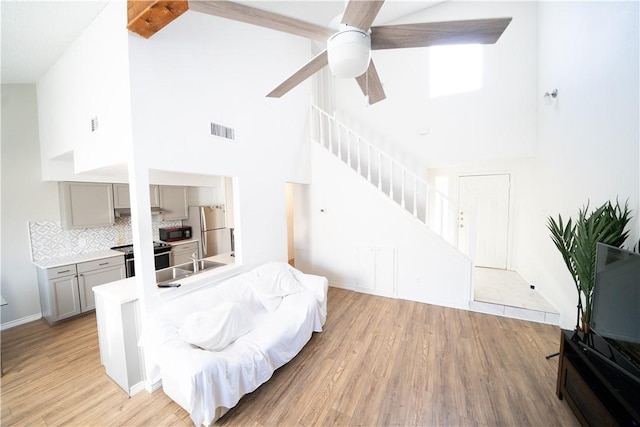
point(484, 209)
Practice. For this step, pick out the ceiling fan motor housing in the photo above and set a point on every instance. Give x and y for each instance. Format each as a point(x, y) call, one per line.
point(349, 52)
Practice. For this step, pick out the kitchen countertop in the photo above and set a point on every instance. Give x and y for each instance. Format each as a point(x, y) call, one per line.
point(123, 291)
point(182, 242)
point(92, 256)
point(75, 259)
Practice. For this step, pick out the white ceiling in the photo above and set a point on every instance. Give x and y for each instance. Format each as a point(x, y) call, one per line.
point(36, 33)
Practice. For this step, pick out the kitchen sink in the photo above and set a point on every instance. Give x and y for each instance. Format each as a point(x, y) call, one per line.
point(170, 274)
point(201, 265)
point(181, 271)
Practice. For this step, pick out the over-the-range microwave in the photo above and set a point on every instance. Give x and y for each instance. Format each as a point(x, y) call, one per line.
point(175, 233)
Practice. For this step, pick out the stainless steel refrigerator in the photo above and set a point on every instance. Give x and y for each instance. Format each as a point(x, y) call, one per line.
point(209, 224)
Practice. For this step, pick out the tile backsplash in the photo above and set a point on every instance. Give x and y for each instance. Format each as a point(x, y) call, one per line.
point(50, 240)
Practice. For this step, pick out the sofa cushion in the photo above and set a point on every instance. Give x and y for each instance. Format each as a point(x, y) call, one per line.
point(216, 328)
point(272, 282)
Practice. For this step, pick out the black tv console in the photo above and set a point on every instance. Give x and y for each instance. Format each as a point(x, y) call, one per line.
point(596, 390)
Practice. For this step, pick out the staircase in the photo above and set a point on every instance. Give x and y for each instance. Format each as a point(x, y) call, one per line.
point(412, 193)
point(435, 211)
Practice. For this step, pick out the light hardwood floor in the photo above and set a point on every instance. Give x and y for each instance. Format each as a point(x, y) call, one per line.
point(379, 361)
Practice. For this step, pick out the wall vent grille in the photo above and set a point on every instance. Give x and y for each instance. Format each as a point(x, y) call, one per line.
point(223, 131)
point(94, 124)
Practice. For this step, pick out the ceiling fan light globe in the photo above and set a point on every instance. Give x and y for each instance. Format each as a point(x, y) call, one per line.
point(349, 53)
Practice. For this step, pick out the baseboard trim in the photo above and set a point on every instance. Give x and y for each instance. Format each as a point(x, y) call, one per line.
point(153, 386)
point(22, 321)
point(137, 388)
point(341, 286)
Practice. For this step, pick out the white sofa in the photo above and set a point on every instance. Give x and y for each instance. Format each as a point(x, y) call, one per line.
point(274, 309)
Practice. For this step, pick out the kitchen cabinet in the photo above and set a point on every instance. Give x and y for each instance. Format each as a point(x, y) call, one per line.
point(59, 294)
point(173, 201)
point(181, 253)
point(121, 196)
point(66, 291)
point(95, 273)
point(86, 204)
point(154, 196)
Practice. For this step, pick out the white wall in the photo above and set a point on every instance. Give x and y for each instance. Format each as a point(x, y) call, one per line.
point(89, 80)
point(588, 137)
point(346, 213)
point(497, 121)
point(24, 198)
point(203, 69)
point(582, 146)
point(199, 69)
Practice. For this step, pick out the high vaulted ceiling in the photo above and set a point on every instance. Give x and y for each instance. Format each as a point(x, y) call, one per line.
point(36, 33)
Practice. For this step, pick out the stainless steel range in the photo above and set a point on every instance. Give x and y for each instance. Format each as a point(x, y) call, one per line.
point(161, 252)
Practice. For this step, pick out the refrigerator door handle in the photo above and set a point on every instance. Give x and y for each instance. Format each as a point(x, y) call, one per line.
point(203, 219)
point(205, 246)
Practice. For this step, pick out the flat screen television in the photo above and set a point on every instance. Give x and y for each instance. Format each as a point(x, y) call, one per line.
point(615, 313)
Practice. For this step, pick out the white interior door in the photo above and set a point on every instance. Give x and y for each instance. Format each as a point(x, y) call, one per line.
point(484, 201)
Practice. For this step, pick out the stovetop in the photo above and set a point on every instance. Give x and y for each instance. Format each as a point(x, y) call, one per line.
point(157, 247)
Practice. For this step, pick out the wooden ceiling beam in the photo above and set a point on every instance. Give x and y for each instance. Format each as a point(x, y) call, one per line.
point(147, 17)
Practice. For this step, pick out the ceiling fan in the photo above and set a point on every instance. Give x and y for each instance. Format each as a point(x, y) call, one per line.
point(348, 51)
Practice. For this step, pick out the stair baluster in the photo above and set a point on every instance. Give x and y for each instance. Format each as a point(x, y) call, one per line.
point(440, 212)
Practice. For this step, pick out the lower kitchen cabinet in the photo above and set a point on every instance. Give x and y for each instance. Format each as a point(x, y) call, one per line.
point(181, 253)
point(66, 291)
point(59, 295)
point(95, 273)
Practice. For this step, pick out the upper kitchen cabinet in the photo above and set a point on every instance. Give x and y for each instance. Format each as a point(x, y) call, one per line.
point(121, 196)
point(86, 204)
point(173, 201)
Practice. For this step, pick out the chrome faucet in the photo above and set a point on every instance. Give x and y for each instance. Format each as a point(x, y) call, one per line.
point(194, 258)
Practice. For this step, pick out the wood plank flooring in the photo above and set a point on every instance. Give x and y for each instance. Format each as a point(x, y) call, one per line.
point(379, 362)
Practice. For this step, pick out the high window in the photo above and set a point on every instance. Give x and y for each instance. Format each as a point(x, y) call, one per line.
point(454, 69)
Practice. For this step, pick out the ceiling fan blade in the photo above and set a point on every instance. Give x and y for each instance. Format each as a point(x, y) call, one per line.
point(361, 13)
point(317, 63)
point(262, 18)
point(482, 31)
point(371, 85)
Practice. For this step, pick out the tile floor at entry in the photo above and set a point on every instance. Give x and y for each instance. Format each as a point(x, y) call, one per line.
point(506, 293)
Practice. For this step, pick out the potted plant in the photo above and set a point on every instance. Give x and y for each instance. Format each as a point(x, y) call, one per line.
point(577, 242)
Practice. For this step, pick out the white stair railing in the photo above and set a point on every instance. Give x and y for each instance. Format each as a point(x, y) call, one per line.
point(412, 193)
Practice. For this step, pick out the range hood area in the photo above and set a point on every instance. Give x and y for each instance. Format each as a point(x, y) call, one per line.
point(122, 212)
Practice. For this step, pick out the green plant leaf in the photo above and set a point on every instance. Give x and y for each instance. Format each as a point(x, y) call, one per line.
point(577, 242)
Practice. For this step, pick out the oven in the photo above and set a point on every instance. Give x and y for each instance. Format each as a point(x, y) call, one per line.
point(161, 252)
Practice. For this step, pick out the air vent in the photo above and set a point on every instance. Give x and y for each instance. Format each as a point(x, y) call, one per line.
point(223, 131)
point(94, 124)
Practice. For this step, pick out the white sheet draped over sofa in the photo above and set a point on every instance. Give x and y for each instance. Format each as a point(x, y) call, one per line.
point(208, 380)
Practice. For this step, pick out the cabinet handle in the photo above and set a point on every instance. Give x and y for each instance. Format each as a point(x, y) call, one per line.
point(63, 271)
point(104, 263)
